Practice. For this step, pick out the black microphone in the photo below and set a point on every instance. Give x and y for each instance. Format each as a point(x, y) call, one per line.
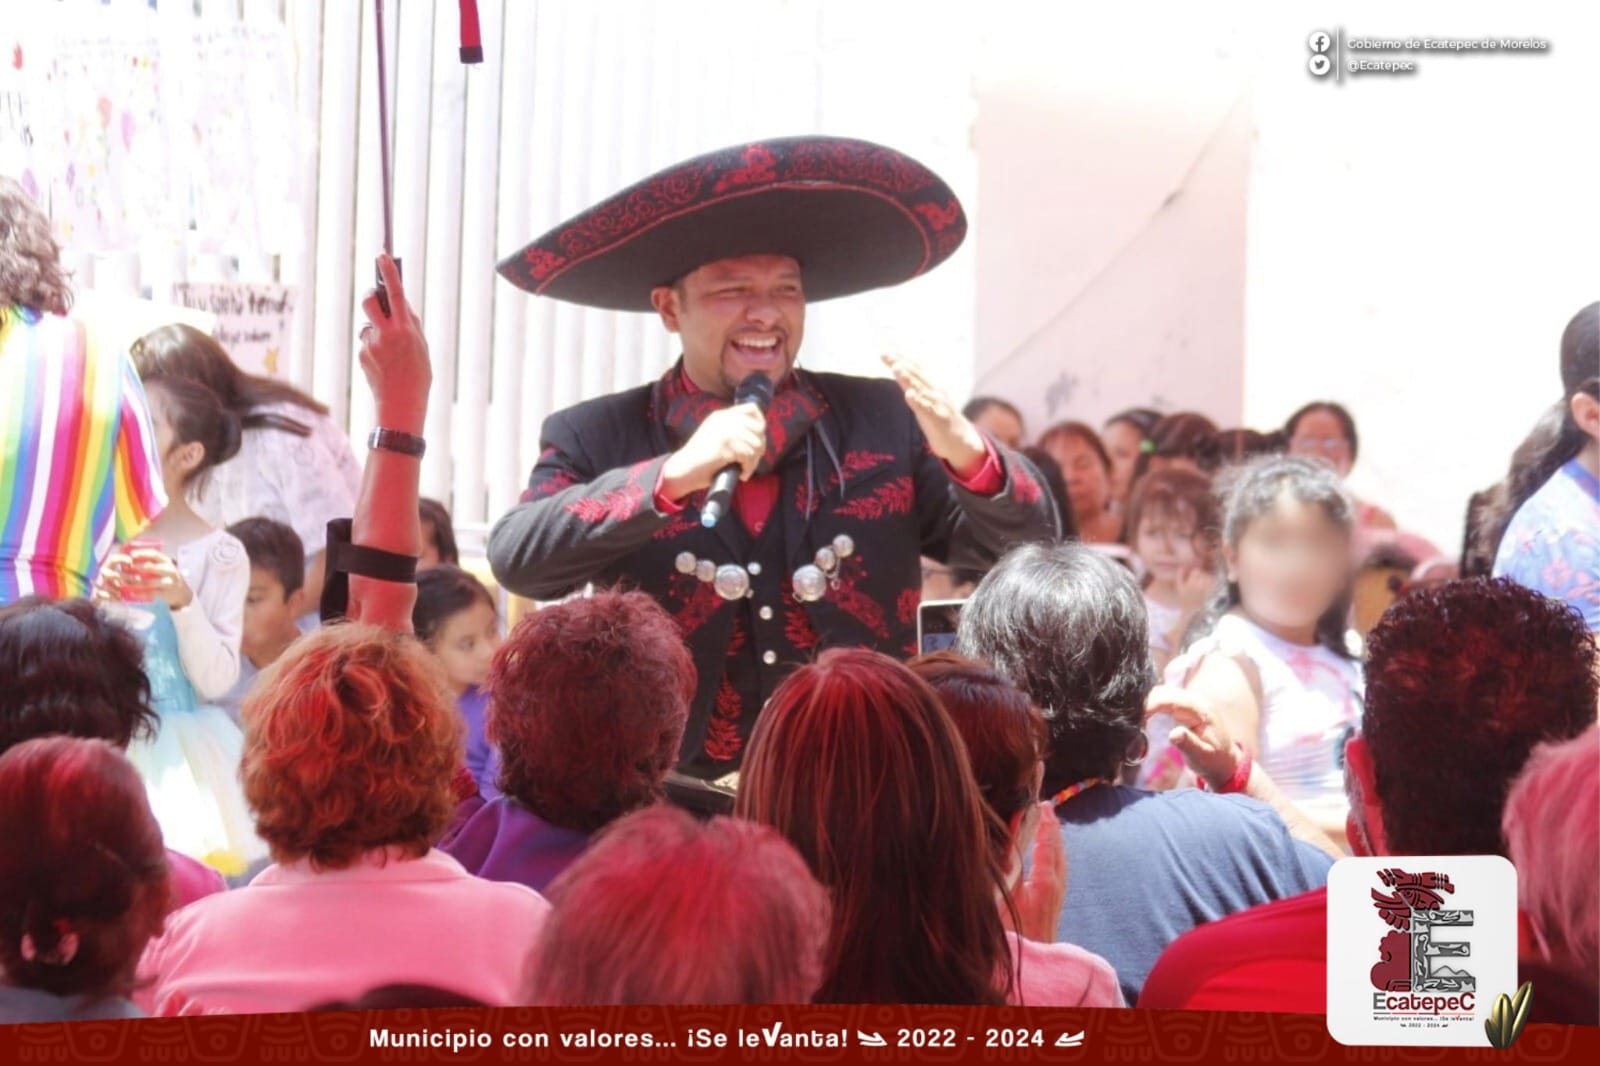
point(756, 389)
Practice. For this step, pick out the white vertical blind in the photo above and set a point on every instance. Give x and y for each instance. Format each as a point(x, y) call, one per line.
point(574, 101)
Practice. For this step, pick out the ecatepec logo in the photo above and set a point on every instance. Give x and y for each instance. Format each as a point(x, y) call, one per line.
point(1411, 957)
point(1419, 947)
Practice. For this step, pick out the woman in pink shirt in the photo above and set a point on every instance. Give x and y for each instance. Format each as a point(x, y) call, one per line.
point(351, 742)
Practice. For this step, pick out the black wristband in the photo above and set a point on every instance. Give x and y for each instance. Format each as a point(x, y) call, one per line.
point(394, 440)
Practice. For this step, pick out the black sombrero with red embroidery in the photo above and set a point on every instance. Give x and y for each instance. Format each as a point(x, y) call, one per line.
point(856, 215)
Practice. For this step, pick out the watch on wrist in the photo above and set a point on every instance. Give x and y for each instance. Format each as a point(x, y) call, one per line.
point(394, 440)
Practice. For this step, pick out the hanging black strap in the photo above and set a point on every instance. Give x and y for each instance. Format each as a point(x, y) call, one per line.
point(344, 559)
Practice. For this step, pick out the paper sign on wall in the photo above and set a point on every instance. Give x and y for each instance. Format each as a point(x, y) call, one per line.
point(253, 321)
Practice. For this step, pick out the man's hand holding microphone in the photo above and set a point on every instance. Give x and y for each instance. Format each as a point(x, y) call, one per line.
point(725, 450)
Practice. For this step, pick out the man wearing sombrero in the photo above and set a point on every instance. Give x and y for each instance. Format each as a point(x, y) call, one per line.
point(844, 481)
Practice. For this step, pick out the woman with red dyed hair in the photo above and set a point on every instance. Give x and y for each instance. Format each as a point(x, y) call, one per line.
point(588, 704)
point(350, 746)
point(665, 909)
point(855, 762)
point(83, 880)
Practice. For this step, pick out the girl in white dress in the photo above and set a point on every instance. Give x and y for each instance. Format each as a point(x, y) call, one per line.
point(182, 586)
point(294, 464)
point(1277, 659)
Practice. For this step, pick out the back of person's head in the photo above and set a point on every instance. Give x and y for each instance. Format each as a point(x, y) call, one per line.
point(588, 704)
point(1238, 445)
point(274, 548)
point(1186, 435)
point(855, 762)
point(1000, 417)
point(350, 744)
point(1552, 833)
point(196, 416)
point(662, 908)
point(443, 592)
point(1142, 419)
point(401, 997)
point(1580, 351)
point(1463, 680)
point(1054, 480)
point(978, 405)
point(1004, 733)
point(1556, 437)
point(1252, 491)
point(83, 874)
point(1068, 626)
point(439, 529)
point(70, 669)
point(180, 350)
point(30, 260)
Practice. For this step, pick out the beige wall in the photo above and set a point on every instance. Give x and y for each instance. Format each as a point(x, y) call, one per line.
point(1112, 193)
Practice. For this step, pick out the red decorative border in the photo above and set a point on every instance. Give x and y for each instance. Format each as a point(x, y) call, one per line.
point(1124, 1036)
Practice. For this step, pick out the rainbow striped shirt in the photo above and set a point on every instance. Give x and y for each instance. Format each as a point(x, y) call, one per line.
point(79, 471)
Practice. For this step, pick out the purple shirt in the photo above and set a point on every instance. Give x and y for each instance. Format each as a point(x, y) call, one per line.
point(504, 841)
point(483, 761)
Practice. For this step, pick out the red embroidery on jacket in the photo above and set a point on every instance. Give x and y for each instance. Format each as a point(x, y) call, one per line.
point(550, 484)
point(856, 603)
point(723, 741)
point(797, 628)
point(895, 497)
point(698, 602)
point(618, 505)
point(680, 524)
point(1024, 489)
point(853, 463)
point(906, 604)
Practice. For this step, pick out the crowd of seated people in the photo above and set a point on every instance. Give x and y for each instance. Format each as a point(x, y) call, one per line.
point(1124, 787)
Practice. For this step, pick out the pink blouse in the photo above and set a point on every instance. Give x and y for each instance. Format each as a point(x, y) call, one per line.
point(296, 937)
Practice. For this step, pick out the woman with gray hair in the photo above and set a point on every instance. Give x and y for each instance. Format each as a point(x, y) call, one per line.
point(1068, 627)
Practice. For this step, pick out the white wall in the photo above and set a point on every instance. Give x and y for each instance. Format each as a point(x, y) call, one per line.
point(1417, 244)
point(1410, 246)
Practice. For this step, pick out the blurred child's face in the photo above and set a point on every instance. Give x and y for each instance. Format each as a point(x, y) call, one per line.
point(269, 615)
point(465, 645)
point(1165, 543)
point(1291, 564)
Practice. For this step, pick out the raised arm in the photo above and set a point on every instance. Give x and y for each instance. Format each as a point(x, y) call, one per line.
point(394, 357)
